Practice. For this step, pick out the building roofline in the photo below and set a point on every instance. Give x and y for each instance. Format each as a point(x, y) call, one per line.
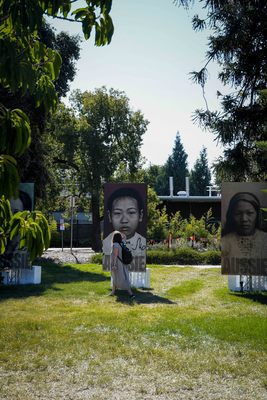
point(191, 199)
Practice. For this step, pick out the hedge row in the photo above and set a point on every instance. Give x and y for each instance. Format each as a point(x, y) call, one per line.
point(184, 256)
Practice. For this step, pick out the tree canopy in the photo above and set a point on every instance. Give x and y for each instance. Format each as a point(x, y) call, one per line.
point(27, 65)
point(200, 175)
point(239, 45)
point(33, 164)
point(68, 46)
point(102, 137)
point(175, 166)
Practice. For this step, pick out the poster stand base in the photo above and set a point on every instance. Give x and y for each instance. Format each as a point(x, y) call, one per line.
point(247, 283)
point(139, 279)
point(22, 276)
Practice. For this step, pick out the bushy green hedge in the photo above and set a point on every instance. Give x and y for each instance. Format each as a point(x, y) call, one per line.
point(179, 256)
point(212, 257)
point(184, 256)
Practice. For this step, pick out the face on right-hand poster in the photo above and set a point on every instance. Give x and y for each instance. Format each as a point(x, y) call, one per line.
point(244, 228)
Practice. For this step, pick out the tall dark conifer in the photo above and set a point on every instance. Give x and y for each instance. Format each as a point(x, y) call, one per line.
point(200, 175)
point(239, 45)
point(175, 166)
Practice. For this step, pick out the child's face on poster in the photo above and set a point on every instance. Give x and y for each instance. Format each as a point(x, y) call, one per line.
point(125, 215)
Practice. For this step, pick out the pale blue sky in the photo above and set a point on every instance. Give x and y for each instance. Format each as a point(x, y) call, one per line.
point(151, 54)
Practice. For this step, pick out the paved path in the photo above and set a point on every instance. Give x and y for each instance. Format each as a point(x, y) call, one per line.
point(194, 266)
point(77, 255)
point(82, 255)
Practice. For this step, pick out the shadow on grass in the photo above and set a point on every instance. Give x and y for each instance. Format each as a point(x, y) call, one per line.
point(144, 297)
point(52, 273)
point(257, 297)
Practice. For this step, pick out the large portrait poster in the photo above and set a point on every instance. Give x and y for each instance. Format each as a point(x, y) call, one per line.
point(125, 210)
point(244, 228)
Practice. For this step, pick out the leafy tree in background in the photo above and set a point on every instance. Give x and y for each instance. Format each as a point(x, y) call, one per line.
point(60, 145)
point(28, 68)
point(33, 165)
point(68, 47)
point(122, 174)
point(239, 45)
point(152, 174)
point(110, 137)
point(157, 219)
point(155, 176)
point(200, 175)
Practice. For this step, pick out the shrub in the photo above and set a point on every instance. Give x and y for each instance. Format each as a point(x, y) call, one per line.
point(55, 239)
point(185, 256)
point(212, 257)
point(97, 258)
point(179, 257)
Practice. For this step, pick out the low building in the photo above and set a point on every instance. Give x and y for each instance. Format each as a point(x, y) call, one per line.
point(195, 205)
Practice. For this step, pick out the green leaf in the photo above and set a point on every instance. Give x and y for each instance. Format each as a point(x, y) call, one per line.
point(57, 63)
point(110, 28)
point(65, 9)
point(80, 13)
point(87, 28)
point(14, 227)
point(9, 178)
point(106, 6)
point(49, 68)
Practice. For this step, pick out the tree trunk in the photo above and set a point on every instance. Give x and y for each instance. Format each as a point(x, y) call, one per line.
point(96, 232)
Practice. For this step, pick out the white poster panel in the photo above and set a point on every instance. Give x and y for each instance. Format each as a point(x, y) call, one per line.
point(244, 228)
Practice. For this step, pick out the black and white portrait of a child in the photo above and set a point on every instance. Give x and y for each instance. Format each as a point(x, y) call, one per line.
point(125, 211)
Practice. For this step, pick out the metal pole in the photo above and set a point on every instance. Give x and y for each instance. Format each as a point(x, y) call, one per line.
point(171, 185)
point(187, 185)
point(250, 283)
point(62, 239)
point(71, 223)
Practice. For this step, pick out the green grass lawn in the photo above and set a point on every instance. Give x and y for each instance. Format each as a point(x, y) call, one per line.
point(187, 337)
